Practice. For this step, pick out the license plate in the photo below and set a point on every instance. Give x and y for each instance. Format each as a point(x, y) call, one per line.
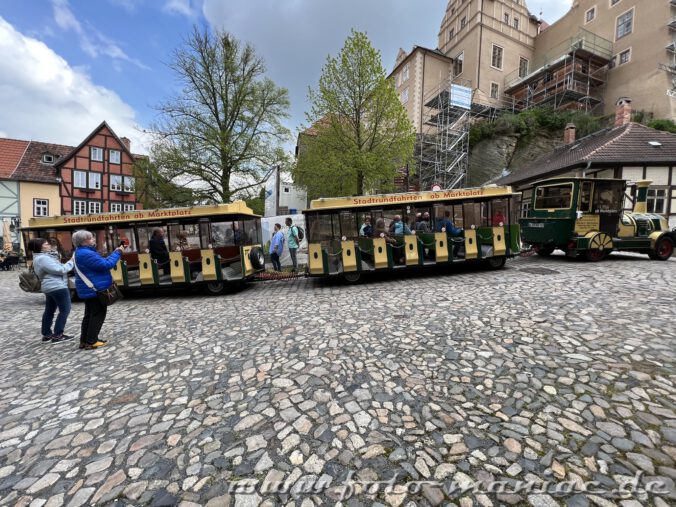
point(539, 225)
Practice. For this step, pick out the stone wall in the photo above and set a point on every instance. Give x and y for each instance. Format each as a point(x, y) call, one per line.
point(490, 157)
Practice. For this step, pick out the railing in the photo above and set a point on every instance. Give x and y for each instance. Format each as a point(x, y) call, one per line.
point(584, 40)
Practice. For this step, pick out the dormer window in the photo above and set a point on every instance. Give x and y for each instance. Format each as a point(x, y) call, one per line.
point(48, 158)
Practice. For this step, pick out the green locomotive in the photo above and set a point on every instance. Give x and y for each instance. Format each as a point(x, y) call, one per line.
point(585, 217)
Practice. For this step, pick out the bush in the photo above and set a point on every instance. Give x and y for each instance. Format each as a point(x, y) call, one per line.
point(662, 124)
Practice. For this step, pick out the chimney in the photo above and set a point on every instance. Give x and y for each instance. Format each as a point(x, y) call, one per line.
point(569, 134)
point(126, 142)
point(622, 111)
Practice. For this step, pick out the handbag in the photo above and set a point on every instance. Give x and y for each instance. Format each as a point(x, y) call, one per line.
point(106, 297)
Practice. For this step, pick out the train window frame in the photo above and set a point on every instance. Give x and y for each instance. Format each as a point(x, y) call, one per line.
point(536, 197)
point(589, 196)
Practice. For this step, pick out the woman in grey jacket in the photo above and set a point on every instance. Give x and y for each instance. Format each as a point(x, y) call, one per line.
point(54, 284)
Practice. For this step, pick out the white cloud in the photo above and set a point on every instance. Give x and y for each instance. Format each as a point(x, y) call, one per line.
point(92, 41)
point(179, 7)
point(45, 99)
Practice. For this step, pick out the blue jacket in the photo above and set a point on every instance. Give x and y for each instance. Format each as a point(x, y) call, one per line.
point(94, 267)
point(277, 243)
point(450, 227)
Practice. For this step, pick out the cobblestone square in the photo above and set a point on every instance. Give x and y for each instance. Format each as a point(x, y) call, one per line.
point(549, 370)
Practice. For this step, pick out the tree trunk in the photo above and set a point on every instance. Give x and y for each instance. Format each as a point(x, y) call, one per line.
point(360, 183)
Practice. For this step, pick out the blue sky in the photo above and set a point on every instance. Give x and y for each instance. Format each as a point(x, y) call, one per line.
point(67, 65)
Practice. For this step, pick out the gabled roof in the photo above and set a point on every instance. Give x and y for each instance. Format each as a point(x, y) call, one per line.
point(11, 151)
point(436, 52)
point(89, 138)
point(625, 145)
point(31, 167)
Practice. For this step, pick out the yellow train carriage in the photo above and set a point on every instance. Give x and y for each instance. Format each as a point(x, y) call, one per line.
point(206, 246)
point(350, 236)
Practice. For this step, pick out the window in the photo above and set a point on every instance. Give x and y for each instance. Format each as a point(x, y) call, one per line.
point(405, 74)
point(47, 158)
point(40, 207)
point(115, 207)
point(625, 56)
point(523, 67)
point(525, 209)
point(114, 156)
point(657, 200)
point(496, 59)
point(495, 90)
point(611, 63)
point(463, 22)
point(129, 183)
point(116, 182)
point(404, 96)
point(590, 15)
point(129, 207)
point(94, 207)
point(451, 33)
point(516, 23)
point(96, 154)
point(624, 24)
point(287, 190)
point(457, 64)
point(585, 203)
point(614, 2)
point(554, 196)
point(79, 207)
point(506, 18)
point(95, 180)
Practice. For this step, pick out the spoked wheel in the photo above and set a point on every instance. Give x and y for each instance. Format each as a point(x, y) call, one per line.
point(544, 250)
point(214, 288)
point(352, 277)
point(496, 262)
point(663, 249)
point(600, 245)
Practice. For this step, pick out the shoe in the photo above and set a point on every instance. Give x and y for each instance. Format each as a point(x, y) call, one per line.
point(58, 338)
point(46, 339)
point(92, 346)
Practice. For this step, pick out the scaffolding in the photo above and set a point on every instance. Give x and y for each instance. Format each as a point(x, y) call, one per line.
point(442, 146)
point(571, 75)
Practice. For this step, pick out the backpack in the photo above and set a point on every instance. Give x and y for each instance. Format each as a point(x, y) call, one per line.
point(301, 233)
point(29, 281)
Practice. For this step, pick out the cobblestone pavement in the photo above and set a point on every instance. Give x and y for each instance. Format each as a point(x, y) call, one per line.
point(548, 371)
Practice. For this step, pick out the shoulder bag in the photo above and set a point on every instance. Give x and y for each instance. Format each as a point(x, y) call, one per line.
point(106, 297)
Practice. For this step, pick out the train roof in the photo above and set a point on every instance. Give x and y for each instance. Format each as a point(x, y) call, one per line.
point(410, 198)
point(234, 208)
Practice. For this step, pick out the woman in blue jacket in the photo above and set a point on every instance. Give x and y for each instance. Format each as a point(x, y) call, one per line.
point(54, 285)
point(96, 268)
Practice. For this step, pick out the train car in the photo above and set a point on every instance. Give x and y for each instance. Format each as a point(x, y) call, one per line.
point(352, 236)
point(584, 217)
point(208, 246)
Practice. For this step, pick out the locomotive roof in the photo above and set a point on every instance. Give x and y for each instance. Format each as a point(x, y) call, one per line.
point(573, 178)
point(363, 201)
point(235, 208)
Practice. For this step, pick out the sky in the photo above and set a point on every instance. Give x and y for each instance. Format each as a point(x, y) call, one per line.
point(67, 65)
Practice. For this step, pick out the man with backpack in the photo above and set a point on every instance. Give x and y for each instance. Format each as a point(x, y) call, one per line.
point(294, 239)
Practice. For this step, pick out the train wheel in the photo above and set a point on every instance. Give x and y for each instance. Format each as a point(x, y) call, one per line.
point(214, 288)
point(600, 245)
point(663, 250)
point(496, 262)
point(257, 258)
point(352, 277)
point(544, 250)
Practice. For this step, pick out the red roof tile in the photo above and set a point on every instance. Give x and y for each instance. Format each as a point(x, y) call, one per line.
point(32, 168)
point(11, 151)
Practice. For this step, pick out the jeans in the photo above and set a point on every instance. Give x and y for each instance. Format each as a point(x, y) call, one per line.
point(94, 315)
point(294, 261)
point(60, 299)
point(276, 265)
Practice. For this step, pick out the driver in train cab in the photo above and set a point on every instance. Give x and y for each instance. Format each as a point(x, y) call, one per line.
point(498, 219)
point(158, 249)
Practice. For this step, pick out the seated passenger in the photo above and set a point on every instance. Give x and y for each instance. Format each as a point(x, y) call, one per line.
point(423, 225)
point(182, 241)
point(366, 229)
point(158, 249)
point(399, 228)
point(446, 225)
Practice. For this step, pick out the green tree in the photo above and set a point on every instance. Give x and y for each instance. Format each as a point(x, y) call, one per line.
point(223, 132)
point(360, 132)
point(154, 190)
